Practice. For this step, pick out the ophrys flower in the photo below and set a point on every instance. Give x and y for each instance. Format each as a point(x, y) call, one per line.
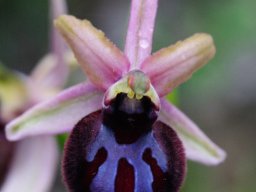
point(30, 164)
point(130, 137)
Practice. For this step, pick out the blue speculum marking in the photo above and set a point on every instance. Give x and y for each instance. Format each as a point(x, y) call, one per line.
point(132, 152)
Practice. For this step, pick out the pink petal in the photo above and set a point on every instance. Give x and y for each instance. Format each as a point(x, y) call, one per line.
point(198, 146)
point(33, 167)
point(44, 82)
point(173, 65)
point(101, 60)
point(58, 7)
point(56, 115)
point(139, 36)
point(53, 69)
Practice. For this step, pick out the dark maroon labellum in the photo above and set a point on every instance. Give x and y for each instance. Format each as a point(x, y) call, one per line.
point(124, 149)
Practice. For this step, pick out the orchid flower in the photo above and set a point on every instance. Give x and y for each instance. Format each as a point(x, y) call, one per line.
point(125, 136)
point(30, 164)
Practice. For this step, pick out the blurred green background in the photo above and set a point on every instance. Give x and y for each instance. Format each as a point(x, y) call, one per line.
point(221, 97)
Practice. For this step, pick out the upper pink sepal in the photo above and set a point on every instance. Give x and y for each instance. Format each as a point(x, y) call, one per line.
point(173, 65)
point(198, 146)
point(58, 114)
point(141, 26)
point(100, 59)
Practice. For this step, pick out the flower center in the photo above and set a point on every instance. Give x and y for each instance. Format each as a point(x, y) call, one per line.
point(139, 84)
point(135, 85)
point(129, 119)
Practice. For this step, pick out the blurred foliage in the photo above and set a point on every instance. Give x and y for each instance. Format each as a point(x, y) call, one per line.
point(23, 32)
point(173, 97)
point(61, 140)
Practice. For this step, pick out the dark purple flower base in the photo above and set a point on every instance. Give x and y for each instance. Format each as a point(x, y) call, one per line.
point(123, 149)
